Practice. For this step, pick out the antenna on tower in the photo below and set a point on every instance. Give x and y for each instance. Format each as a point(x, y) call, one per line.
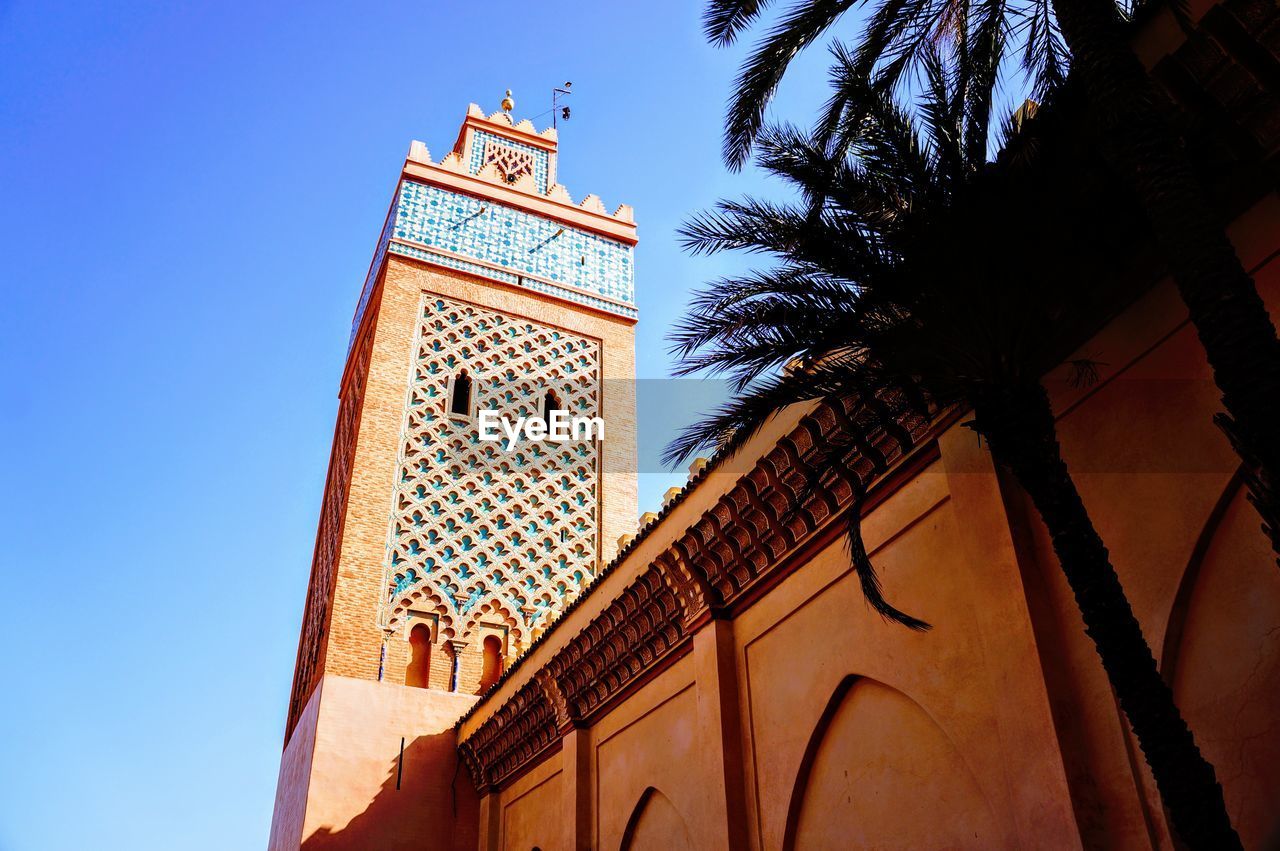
point(558, 110)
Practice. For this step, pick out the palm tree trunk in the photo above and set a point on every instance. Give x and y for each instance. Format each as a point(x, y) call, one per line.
point(1130, 121)
point(1018, 423)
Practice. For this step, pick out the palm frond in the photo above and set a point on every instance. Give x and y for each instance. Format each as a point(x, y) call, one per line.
point(737, 420)
point(724, 19)
point(984, 57)
point(804, 23)
point(877, 410)
point(1044, 54)
point(822, 240)
point(895, 36)
point(909, 263)
point(869, 579)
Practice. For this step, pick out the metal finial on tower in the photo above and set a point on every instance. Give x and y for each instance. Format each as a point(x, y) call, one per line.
point(508, 103)
point(556, 108)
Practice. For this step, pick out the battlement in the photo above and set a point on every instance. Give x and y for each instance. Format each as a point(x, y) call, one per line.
point(492, 207)
point(515, 156)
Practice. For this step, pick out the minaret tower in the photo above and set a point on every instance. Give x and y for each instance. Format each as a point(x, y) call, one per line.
point(441, 555)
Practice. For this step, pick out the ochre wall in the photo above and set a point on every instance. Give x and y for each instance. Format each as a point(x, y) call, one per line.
point(800, 719)
point(533, 810)
point(338, 789)
point(1160, 482)
point(290, 809)
point(651, 743)
point(859, 747)
point(801, 645)
point(1225, 665)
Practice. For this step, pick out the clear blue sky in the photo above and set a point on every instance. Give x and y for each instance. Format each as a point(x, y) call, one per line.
point(189, 197)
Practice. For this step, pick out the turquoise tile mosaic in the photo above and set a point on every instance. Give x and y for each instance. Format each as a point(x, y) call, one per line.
point(563, 261)
point(511, 278)
point(516, 240)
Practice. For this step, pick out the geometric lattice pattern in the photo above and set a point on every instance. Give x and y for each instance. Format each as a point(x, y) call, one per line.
point(512, 162)
point(487, 148)
point(475, 529)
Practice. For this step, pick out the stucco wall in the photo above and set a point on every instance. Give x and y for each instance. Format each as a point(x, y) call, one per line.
point(1160, 481)
point(292, 784)
point(348, 786)
point(533, 810)
point(821, 672)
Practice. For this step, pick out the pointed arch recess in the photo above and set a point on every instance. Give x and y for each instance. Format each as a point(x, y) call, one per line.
point(819, 737)
point(652, 804)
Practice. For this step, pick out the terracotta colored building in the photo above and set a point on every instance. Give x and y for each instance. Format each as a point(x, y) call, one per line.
point(440, 555)
point(494, 656)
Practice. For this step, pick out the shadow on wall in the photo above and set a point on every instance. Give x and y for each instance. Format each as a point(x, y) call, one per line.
point(435, 806)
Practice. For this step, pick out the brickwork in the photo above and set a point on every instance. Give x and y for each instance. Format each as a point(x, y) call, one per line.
point(312, 640)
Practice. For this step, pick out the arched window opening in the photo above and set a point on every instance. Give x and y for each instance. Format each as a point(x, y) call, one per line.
point(418, 674)
point(460, 399)
point(550, 402)
point(492, 668)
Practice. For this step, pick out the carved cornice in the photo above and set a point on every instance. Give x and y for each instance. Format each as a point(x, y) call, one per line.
point(635, 630)
point(521, 729)
point(807, 479)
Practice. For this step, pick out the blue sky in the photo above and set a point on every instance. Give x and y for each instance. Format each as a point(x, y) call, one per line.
point(189, 197)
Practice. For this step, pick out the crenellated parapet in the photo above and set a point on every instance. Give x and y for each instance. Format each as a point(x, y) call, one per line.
point(513, 156)
point(794, 493)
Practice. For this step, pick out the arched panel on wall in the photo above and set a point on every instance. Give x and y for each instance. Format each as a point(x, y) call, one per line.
point(1187, 582)
point(656, 825)
point(1222, 658)
point(878, 772)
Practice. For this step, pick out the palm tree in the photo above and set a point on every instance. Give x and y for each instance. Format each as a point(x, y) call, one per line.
point(912, 270)
point(1128, 119)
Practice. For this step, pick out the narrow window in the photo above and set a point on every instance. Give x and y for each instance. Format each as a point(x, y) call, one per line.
point(460, 401)
point(418, 674)
point(550, 402)
point(492, 663)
